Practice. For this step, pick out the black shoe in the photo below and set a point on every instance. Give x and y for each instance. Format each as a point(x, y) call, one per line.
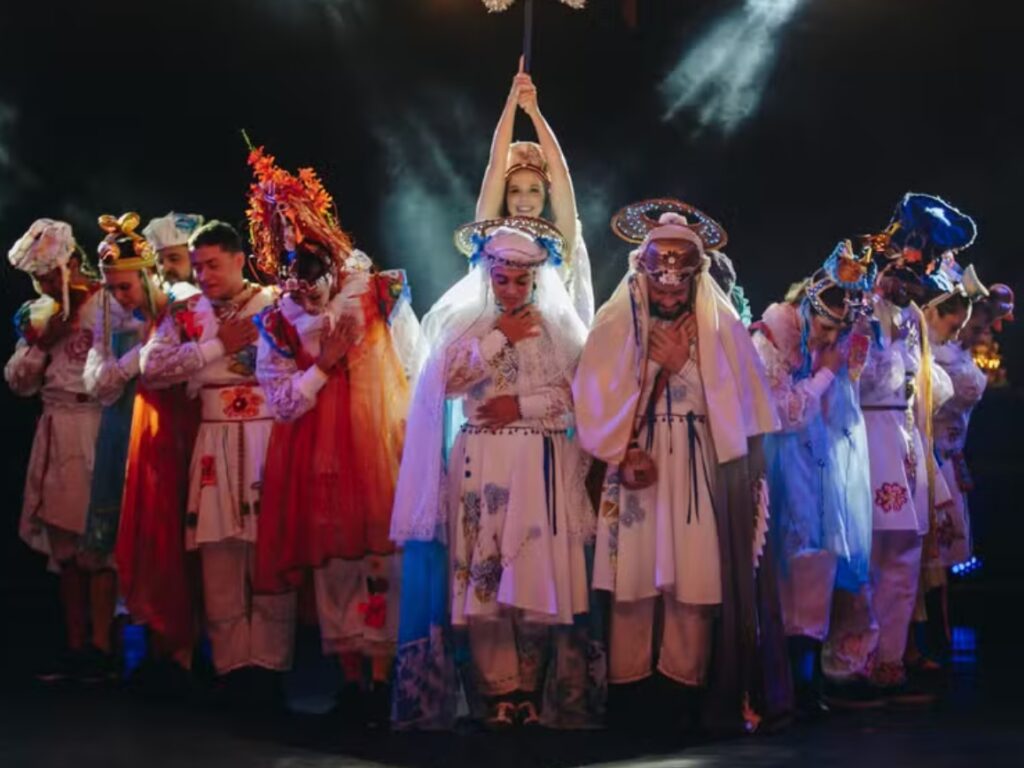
point(162, 680)
point(97, 667)
point(626, 704)
point(348, 704)
point(377, 706)
point(65, 667)
point(909, 694)
point(858, 694)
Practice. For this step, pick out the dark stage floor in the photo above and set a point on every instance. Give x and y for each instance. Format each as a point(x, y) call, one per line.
point(978, 723)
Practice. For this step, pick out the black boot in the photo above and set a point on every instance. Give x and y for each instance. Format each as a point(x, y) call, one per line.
point(808, 684)
point(938, 645)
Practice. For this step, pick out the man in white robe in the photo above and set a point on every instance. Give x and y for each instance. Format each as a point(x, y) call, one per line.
point(671, 394)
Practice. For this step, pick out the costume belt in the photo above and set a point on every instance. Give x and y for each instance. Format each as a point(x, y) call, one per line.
point(479, 429)
point(234, 403)
point(58, 399)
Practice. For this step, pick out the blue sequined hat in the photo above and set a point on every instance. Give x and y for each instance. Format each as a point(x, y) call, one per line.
point(928, 225)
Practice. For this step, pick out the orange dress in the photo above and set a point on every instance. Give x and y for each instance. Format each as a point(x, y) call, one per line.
point(155, 576)
point(330, 475)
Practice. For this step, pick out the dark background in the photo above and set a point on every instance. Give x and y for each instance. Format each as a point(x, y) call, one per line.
point(115, 105)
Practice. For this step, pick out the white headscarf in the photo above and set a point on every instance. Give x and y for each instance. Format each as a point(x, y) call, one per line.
point(47, 245)
point(172, 229)
point(467, 309)
point(607, 386)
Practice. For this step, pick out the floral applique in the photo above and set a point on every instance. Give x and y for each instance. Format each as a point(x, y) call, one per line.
point(634, 513)
point(495, 498)
point(486, 576)
point(891, 497)
point(240, 402)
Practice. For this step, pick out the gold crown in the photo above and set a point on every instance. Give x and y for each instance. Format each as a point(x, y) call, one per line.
point(111, 252)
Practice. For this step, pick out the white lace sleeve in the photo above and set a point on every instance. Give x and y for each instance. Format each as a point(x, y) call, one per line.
point(24, 371)
point(942, 387)
point(165, 360)
point(105, 375)
point(578, 282)
point(797, 402)
point(470, 361)
point(551, 404)
point(968, 385)
point(410, 345)
point(290, 392)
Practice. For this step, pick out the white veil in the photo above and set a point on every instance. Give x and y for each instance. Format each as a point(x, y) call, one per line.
point(467, 309)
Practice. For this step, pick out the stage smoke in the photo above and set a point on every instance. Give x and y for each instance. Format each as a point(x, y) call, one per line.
point(722, 77)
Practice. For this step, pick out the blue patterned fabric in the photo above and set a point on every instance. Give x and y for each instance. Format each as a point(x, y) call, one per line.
point(111, 454)
point(819, 486)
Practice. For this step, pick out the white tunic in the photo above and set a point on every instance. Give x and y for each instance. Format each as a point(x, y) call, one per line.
point(521, 509)
point(106, 374)
point(888, 392)
point(664, 538)
point(950, 426)
point(60, 467)
point(226, 471)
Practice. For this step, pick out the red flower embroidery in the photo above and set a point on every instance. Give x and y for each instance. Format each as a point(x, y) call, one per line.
point(207, 471)
point(240, 402)
point(191, 329)
point(374, 611)
point(891, 497)
point(78, 345)
point(946, 532)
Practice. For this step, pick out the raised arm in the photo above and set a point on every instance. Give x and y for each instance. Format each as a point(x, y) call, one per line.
point(563, 196)
point(491, 201)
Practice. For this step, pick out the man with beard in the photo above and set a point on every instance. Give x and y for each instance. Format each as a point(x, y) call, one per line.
point(671, 394)
point(169, 235)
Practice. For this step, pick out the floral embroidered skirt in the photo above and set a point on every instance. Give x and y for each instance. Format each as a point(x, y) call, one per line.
point(225, 481)
point(517, 537)
point(59, 476)
point(899, 481)
point(663, 538)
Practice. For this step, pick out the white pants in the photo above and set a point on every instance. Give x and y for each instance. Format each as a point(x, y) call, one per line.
point(684, 647)
point(805, 590)
point(244, 629)
point(357, 604)
point(509, 654)
point(869, 629)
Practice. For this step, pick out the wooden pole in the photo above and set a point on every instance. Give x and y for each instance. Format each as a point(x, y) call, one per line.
point(527, 35)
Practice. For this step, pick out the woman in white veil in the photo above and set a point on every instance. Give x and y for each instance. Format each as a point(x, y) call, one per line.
point(494, 536)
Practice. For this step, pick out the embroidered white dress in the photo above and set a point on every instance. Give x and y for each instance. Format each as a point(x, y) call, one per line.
point(950, 427)
point(521, 509)
point(664, 539)
point(226, 471)
point(64, 448)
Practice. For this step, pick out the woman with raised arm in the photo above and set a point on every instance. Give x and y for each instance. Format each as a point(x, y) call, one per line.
point(524, 178)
